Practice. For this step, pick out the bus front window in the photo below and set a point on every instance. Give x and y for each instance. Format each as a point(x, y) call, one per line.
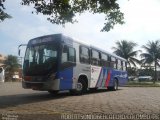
point(40, 59)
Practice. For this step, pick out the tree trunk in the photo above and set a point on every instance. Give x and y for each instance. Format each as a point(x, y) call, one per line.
point(155, 71)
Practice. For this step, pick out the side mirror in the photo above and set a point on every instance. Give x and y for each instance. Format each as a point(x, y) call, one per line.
point(19, 52)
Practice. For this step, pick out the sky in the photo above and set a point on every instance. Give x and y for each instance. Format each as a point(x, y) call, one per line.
point(142, 23)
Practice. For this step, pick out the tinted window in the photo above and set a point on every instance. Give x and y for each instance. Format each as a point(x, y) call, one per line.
point(84, 55)
point(85, 51)
point(40, 59)
point(95, 54)
point(72, 56)
point(119, 65)
point(124, 66)
point(95, 57)
point(113, 62)
point(104, 57)
point(68, 54)
point(104, 60)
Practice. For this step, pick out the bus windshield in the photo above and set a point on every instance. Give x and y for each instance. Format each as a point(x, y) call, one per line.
point(40, 59)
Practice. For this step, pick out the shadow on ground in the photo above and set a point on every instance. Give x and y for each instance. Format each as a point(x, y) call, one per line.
point(20, 99)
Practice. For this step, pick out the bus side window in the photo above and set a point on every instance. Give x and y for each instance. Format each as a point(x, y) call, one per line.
point(113, 63)
point(104, 60)
point(84, 55)
point(72, 55)
point(124, 66)
point(68, 54)
point(119, 65)
point(65, 54)
point(95, 58)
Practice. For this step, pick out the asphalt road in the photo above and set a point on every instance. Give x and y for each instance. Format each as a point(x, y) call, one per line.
point(18, 103)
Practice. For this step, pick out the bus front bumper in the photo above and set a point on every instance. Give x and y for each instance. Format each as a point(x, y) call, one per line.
point(44, 86)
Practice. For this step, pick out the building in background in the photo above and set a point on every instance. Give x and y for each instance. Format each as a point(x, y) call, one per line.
point(2, 59)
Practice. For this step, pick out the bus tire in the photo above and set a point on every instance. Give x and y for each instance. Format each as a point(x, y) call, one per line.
point(81, 88)
point(115, 86)
point(53, 92)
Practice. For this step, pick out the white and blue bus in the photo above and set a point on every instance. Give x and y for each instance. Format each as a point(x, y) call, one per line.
point(56, 62)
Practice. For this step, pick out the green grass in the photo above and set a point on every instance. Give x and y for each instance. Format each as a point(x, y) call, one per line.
point(142, 84)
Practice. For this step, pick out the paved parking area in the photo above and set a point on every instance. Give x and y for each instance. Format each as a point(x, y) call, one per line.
point(127, 100)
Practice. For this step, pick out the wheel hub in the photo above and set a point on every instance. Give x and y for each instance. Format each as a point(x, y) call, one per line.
point(115, 86)
point(79, 87)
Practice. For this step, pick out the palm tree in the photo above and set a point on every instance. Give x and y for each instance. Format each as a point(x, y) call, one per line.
point(126, 50)
point(152, 55)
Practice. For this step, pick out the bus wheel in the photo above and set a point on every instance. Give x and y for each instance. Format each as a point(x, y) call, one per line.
point(53, 92)
point(115, 84)
point(115, 87)
point(80, 88)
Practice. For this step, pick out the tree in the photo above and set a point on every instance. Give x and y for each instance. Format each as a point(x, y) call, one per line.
point(132, 71)
point(126, 50)
point(152, 55)
point(3, 15)
point(12, 65)
point(148, 71)
point(64, 11)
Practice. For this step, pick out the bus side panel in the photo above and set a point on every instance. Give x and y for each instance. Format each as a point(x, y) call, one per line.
point(124, 78)
point(102, 77)
point(96, 75)
point(120, 75)
point(113, 73)
point(81, 69)
point(66, 77)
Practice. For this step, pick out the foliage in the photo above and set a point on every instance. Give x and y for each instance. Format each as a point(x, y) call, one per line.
point(64, 11)
point(132, 71)
point(146, 72)
point(126, 50)
point(12, 65)
point(152, 55)
point(3, 15)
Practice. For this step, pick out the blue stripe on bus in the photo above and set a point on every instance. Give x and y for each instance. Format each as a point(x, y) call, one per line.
point(66, 79)
point(118, 73)
point(105, 75)
point(99, 78)
point(102, 77)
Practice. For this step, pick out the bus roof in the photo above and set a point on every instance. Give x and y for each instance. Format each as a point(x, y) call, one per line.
point(73, 40)
point(110, 54)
